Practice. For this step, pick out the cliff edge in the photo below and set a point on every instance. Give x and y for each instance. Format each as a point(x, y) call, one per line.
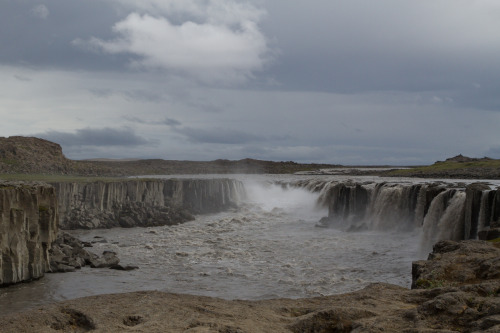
point(28, 226)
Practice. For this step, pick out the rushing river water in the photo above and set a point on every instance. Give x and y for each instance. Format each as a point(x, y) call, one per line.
point(270, 246)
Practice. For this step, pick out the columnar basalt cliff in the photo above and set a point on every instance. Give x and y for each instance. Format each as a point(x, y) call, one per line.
point(138, 202)
point(442, 210)
point(28, 226)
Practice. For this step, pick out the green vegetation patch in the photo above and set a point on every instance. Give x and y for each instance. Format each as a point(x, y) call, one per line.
point(429, 284)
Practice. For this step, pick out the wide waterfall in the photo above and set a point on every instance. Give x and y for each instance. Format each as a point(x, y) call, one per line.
point(441, 210)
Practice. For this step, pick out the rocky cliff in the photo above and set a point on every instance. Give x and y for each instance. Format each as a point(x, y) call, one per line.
point(28, 226)
point(130, 203)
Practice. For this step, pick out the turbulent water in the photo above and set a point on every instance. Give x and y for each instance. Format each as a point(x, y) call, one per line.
point(270, 246)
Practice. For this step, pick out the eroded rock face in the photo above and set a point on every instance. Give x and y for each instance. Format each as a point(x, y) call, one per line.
point(28, 226)
point(145, 203)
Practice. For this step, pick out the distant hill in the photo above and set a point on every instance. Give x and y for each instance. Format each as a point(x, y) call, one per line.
point(29, 155)
point(461, 167)
point(32, 155)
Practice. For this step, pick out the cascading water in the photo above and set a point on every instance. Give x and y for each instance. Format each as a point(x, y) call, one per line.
point(444, 219)
point(440, 210)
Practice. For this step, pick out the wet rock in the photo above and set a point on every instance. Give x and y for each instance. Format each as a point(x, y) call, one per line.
point(108, 259)
point(489, 234)
point(68, 253)
point(123, 268)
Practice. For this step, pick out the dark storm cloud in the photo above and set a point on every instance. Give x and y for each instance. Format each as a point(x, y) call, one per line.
point(411, 46)
point(96, 137)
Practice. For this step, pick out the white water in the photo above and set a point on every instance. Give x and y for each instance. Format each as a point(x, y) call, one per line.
point(267, 248)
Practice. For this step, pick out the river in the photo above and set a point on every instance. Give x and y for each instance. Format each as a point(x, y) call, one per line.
point(268, 247)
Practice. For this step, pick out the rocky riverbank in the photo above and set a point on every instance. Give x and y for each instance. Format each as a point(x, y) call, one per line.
point(69, 254)
point(456, 290)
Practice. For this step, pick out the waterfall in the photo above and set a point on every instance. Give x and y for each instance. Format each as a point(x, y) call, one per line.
point(444, 219)
point(393, 207)
point(440, 210)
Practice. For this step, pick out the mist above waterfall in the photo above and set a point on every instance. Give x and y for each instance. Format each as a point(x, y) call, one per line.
point(295, 201)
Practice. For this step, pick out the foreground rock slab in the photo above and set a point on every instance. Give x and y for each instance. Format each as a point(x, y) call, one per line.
point(470, 305)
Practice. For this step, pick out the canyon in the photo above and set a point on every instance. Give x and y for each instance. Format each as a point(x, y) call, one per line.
point(457, 288)
point(32, 213)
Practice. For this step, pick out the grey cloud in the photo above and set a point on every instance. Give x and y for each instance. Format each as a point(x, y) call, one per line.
point(101, 93)
point(22, 78)
point(136, 120)
point(217, 135)
point(493, 152)
point(409, 46)
point(51, 34)
point(142, 95)
point(166, 121)
point(40, 11)
point(96, 137)
point(130, 95)
point(171, 122)
point(227, 46)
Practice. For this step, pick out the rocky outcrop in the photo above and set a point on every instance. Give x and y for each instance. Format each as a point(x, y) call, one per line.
point(466, 298)
point(69, 254)
point(453, 264)
point(28, 226)
point(130, 203)
point(32, 155)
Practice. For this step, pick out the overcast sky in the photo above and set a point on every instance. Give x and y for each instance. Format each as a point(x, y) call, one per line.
point(365, 82)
